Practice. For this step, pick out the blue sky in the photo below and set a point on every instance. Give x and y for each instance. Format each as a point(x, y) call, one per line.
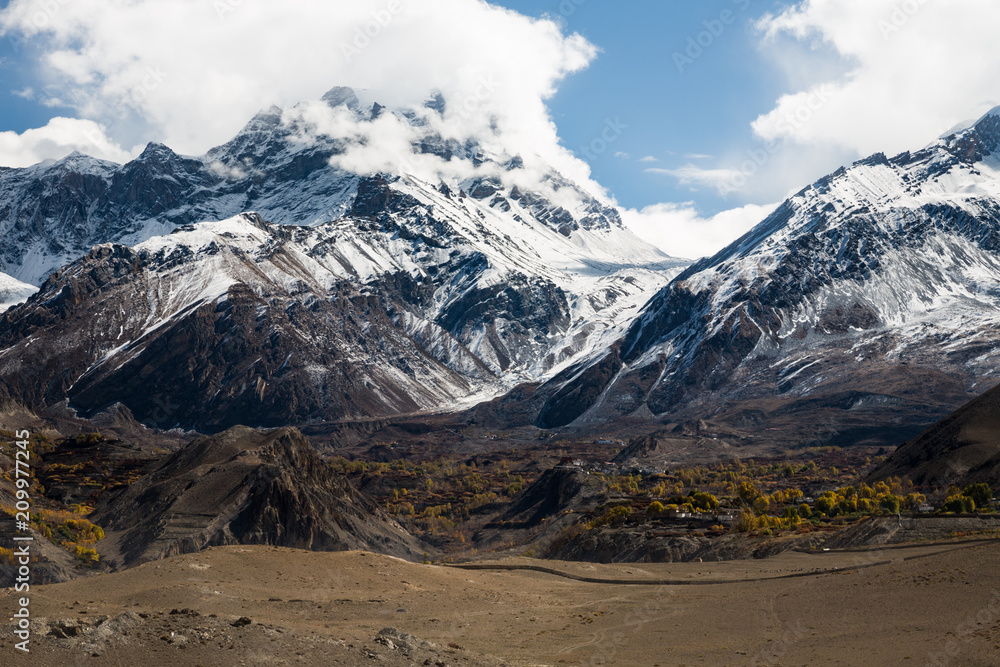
point(17, 113)
point(777, 93)
point(698, 108)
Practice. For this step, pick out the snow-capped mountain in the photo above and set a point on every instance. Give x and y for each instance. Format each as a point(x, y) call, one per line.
point(875, 288)
point(376, 295)
point(278, 166)
point(53, 213)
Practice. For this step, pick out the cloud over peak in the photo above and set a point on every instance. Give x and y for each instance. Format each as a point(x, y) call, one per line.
point(189, 73)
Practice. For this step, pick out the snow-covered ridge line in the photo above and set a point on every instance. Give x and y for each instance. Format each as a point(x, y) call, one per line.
point(283, 167)
point(890, 262)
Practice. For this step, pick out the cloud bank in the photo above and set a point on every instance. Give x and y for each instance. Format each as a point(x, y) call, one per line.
point(60, 137)
point(915, 69)
point(882, 75)
point(190, 73)
point(681, 230)
point(864, 76)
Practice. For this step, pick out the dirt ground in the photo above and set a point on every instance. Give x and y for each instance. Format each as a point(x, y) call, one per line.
point(928, 605)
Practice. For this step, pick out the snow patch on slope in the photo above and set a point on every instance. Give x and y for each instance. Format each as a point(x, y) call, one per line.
point(13, 292)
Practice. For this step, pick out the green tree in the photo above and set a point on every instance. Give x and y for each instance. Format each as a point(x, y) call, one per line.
point(981, 494)
point(805, 511)
point(959, 505)
point(745, 521)
point(748, 493)
point(889, 503)
point(705, 501)
point(825, 504)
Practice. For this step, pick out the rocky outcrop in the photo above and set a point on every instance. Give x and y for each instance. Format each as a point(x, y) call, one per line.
point(961, 449)
point(555, 500)
point(244, 486)
point(642, 545)
point(214, 334)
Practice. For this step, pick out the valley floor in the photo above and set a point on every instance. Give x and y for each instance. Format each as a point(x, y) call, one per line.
point(919, 605)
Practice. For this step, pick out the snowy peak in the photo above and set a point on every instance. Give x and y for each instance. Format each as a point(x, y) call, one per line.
point(342, 95)
point(300, 166)
point(994, 112)
point(364, 286)
point(979, 142)
point(419, 304)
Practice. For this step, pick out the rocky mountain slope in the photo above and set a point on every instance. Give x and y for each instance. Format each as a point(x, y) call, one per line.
point(964, 448)
point(244, 487)
point(554, 501)
point(409, 295)
point(875, 291)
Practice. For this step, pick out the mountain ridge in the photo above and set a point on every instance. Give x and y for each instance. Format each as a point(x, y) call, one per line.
point(416, 296)
point(883, 276)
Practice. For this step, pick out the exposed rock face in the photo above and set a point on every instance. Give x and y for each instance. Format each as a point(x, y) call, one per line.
point(245, 322)
point(880, 279)
point(964, 448)
point(553, 502)
point(212, 334)
point(556, 491)
point(53, 213)
point(244, 487)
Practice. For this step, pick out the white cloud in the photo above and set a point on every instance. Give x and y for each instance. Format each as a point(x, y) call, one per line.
point(697, 156)
point(59, 138)
point(679, 230)
point(190, 73)
point(723, 181)
point(909, 71)
point(622, 155)
point(863, 76)
point(648, 158)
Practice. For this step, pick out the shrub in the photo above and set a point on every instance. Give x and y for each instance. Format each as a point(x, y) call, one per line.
point(959, 505)
point(980, 494)
point(705, 501)
point(889, 503)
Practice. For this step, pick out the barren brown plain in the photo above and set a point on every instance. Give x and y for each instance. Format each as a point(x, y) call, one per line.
point(920, 605)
